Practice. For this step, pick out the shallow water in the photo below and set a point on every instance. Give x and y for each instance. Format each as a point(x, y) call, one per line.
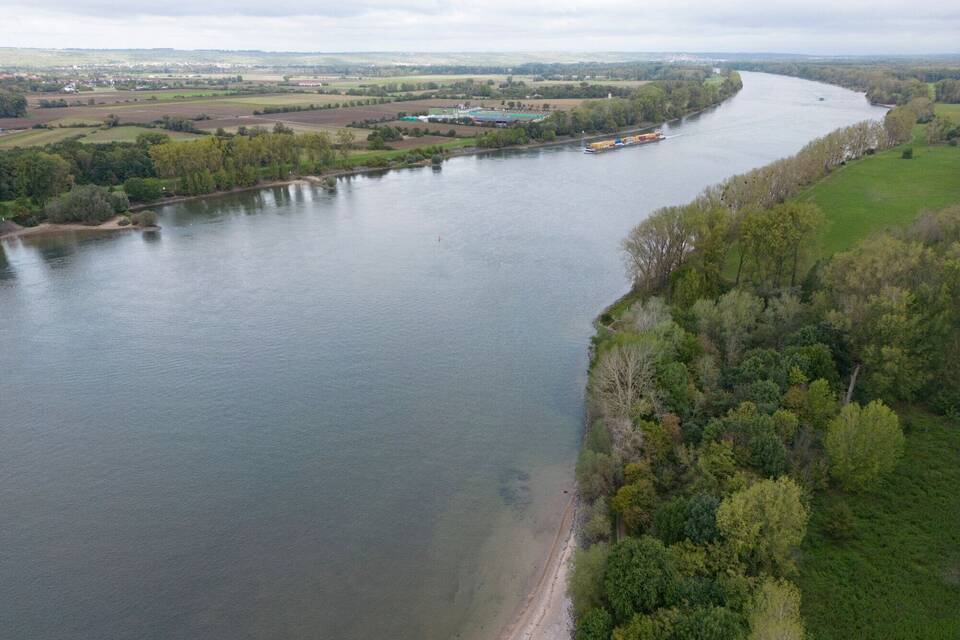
point(294, 414)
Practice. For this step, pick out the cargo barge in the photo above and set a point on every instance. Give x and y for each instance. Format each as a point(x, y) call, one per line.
point(626, 141)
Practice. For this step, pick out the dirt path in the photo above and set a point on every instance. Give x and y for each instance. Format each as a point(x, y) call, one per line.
point(545, 614)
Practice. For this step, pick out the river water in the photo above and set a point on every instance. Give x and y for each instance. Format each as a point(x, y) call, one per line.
point(295, 414)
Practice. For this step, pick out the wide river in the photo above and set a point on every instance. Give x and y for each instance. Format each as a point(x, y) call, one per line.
point(299, 414)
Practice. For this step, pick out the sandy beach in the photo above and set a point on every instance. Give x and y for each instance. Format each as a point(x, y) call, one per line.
point(12, 230)
point(545, 614)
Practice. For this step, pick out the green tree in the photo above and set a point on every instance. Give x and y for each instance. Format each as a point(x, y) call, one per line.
point(820, 405)
point(641, 576)
point(899, 123)
point(143, 189)
point(764, 523)
point(635, 503)
point(708, 623)
point(41, 176)
point(12, 104)
point(345, 140)
point(596, 522)
point(596, 624)
point(863, 444)
point(86, 203)
point(585, 580)
point(775, 612)
point(120, 201)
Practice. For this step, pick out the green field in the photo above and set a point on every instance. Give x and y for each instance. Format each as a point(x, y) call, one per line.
point(37, 137)
point(899, 576)
point(359, 157)
point(951, 111)
point(129, 134)
point(287, 99)
point(883, 191)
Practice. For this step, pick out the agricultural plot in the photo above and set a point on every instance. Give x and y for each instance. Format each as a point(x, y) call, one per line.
point(87, 135)
point(129, 134)
point(462, 130)
point(38, 137)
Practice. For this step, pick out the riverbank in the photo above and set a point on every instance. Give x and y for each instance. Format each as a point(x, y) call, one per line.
point(9, 229)
point(545, 614)
point(49, 228)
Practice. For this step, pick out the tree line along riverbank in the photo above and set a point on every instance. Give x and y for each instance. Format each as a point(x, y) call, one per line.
point(36, 183)
point(782, 377)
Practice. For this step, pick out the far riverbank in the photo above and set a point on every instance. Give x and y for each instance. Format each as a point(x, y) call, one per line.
point(12, 230)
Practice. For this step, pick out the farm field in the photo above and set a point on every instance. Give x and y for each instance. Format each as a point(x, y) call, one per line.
point(361, 156)
point(898, 575)
point(88, 135)
point(38, 137)
point(461, 129)
point(129, 134)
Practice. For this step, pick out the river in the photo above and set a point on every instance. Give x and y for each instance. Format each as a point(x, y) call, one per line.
point(300, 414)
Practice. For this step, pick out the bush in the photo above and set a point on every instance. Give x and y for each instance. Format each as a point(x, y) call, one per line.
point(596, 521)
point(907, 153)
point(585, 582)
point(143, 189)
point(840, 523)
point(595, 625)
point(120, 201)
point(146, 218)
point(124, 221)
point(87, 203)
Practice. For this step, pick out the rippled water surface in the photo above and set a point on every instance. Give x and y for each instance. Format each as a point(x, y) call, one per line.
point(293, 414)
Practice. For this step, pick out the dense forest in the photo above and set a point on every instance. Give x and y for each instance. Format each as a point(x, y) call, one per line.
point(648, 104)
point(740, 377)
point(883, 84)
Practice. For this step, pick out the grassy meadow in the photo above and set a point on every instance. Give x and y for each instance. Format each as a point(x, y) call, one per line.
point(39, 137)
point(88, 135)
point(898, 574)
point(885, 190)
point(951, 111)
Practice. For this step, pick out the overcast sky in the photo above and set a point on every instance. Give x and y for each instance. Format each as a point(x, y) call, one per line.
point(791, 26)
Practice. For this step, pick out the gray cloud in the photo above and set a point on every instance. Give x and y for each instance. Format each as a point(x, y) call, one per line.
point(812, 26)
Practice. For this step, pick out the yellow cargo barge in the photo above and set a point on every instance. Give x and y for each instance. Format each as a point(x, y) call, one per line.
point(626, 141)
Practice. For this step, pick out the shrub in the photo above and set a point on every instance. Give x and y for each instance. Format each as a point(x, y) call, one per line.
point(124, 221)
point(146, 218)
point(597, 624)
point(840, 523)
point(120, 201)
point(863, 444)
point(907, 153)
point(143, 189)
point(87, 203)
point(585, 582)
point(596, 524)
